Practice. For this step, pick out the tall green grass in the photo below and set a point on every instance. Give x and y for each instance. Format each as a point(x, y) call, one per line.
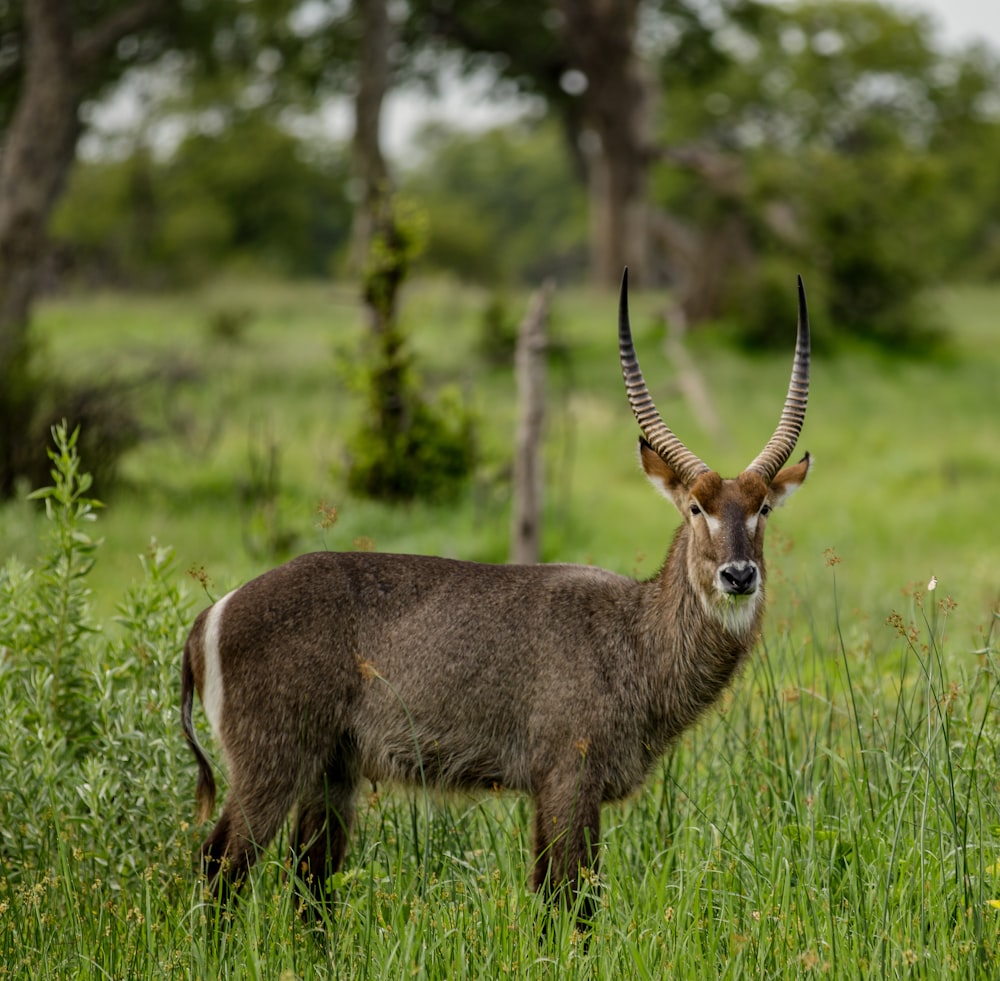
point(837, 817)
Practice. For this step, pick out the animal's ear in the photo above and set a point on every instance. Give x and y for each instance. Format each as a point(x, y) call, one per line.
point(661, 476)
point(786, 482)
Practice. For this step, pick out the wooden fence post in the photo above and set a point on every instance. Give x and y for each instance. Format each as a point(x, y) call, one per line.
point(529, 366)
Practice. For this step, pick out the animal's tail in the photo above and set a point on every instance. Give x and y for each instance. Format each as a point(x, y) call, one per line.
point(205, 790)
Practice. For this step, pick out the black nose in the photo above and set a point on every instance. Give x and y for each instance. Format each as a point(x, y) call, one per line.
point(739, 579)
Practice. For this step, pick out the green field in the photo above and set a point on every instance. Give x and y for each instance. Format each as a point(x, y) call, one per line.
point(838, 813)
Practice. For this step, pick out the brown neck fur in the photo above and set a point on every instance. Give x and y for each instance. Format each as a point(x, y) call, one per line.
point(698, 656)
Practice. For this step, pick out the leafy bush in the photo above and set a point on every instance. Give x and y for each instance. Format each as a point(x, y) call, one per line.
point(428, 458)
point(497, 332)
point(862, 246)
point(505, 205)
point(250, 196)
point(408, 445)
point(105, 412)
point(89, 749)
point(759, 305)
point(875, 247)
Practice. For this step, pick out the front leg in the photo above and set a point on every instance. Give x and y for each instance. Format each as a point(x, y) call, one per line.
point(567, 832)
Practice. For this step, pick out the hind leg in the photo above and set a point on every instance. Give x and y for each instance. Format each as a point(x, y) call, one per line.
point(250, 818)
point(325, 814)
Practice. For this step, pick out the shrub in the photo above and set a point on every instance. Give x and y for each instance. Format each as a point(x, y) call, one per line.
point(408, 445)
point(497, 332)
point(863, 244)
point(90, 747)
point(758, 305)
point(429, 457)
point(35, 399)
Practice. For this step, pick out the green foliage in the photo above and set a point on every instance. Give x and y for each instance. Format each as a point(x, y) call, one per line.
point(249, 195)
point(408, 446)
point(285, 207)
point(763, 86)
point(429, 458)
point(504, 205)
point(758, 305)
point(862, 247)
point(20, 382)
point(965, 142)
point(876, 257)
point(497, 332)
point(265, 534)
point(56, 618)
point(85, 712)
point(399, 238)
point(854, 155)
point(186, 27)
point(39, 397)
point(106, 415)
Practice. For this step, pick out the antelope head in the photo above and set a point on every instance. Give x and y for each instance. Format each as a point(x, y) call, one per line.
point(725, 518)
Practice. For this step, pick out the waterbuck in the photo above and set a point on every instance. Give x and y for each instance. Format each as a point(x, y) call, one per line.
point(566, 682)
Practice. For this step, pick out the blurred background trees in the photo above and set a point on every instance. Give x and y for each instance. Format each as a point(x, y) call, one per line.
point(60, 59)
point(717, 148)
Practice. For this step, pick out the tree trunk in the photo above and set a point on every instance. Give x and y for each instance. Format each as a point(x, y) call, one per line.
point(600, 35)
point(39, 146)
point(370, 169)
point(38, 149)
point(382, 263)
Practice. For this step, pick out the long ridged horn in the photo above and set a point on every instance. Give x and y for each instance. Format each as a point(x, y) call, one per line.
point(673, 452)
point(779, 448)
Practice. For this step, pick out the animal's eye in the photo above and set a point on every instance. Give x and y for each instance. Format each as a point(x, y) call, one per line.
point(695, 509)
point(765, 510)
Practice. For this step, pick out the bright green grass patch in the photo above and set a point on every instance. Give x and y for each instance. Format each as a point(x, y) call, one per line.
point(838, 816)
